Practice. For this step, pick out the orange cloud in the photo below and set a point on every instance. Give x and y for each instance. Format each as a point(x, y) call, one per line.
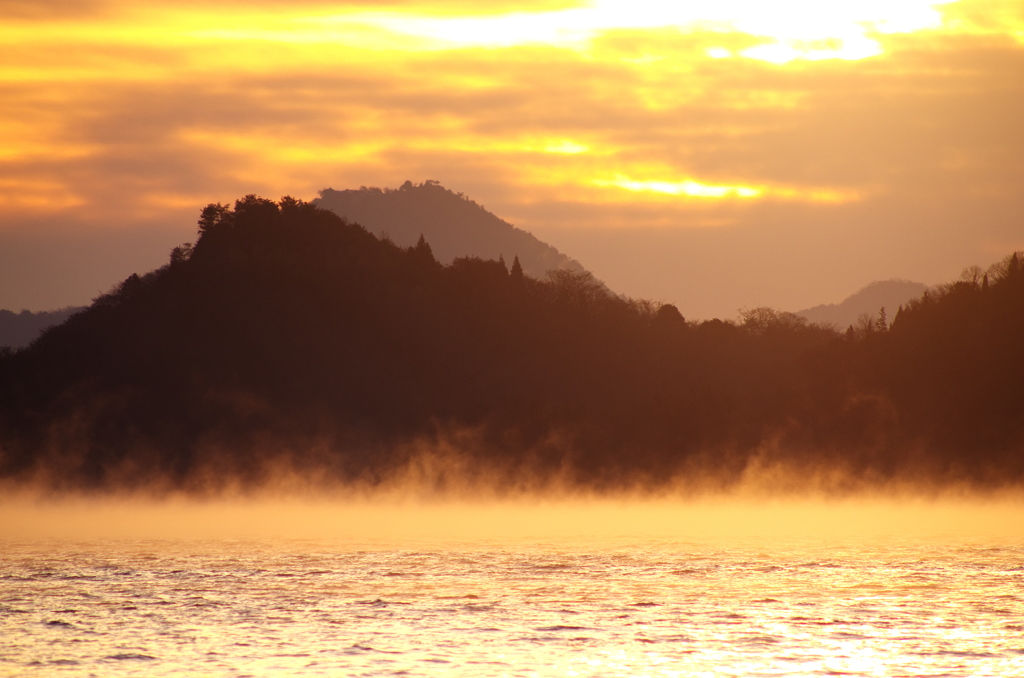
point(116, 112)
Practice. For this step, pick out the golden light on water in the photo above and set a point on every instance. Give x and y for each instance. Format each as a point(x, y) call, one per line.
point(550, 589)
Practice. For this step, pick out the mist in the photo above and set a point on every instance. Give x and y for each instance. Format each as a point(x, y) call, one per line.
point(440, 495)
point(392, 519)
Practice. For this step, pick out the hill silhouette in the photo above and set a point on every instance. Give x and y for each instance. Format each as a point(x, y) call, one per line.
point(289, 337)
point(888, 294)
point(18, 330)
point(454, 225)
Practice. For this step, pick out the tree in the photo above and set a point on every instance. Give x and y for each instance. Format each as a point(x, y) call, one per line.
point(763, 318)
point(213, 215)
point(1014, 265)
point(576, 288)
point(865, 326)
point(256, 210)
point(181, 254)
point(668, 315)
point(517, 271)
point(422, 250)
point(1007, 268)
point(972, 275)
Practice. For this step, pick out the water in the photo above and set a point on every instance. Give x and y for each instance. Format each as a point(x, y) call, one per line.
point(518, 607)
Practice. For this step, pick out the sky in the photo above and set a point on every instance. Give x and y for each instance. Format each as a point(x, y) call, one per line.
point(713, 155)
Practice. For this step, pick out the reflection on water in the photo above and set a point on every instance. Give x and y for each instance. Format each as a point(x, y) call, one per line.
point(276, 607)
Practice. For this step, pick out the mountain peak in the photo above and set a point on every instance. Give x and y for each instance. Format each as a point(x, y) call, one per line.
point(451, 223)
point(890, 294)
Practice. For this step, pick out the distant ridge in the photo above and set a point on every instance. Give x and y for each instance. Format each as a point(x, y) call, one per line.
point(890, 294)
point(18, 330)
point(452, 224)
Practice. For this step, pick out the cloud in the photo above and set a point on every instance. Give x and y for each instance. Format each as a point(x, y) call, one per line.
point(29, 10)
point(133, 113)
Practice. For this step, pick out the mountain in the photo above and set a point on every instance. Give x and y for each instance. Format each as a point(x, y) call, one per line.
point(454, 225)
point(287, 335)
point(18, 330)
point(290, 341)
point(888, 294)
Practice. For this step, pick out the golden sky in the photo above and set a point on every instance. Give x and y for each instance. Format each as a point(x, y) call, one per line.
point(718, 155)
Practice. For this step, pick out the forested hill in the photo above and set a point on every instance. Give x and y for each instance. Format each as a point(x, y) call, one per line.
point(288, 334)
point(454, 225)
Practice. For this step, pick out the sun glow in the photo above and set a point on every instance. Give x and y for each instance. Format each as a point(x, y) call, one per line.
point(567, 147)
point(789, 30)
point(601, 102)
point(688, 187)
point(785, 30)
point(691, 188)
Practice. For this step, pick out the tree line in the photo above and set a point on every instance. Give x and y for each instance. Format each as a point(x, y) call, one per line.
point(287, 333)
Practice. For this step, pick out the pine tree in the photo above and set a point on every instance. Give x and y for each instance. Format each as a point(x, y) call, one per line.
point(1013, 266)
point(422, 249)
point(517, 270)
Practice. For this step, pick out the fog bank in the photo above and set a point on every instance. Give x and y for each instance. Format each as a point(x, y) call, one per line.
point(387, 520)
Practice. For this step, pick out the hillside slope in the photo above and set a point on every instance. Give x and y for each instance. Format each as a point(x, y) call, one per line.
point(887, 294)
point(454, 225)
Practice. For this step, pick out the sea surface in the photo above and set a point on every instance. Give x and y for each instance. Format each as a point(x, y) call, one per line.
point(480, 607)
